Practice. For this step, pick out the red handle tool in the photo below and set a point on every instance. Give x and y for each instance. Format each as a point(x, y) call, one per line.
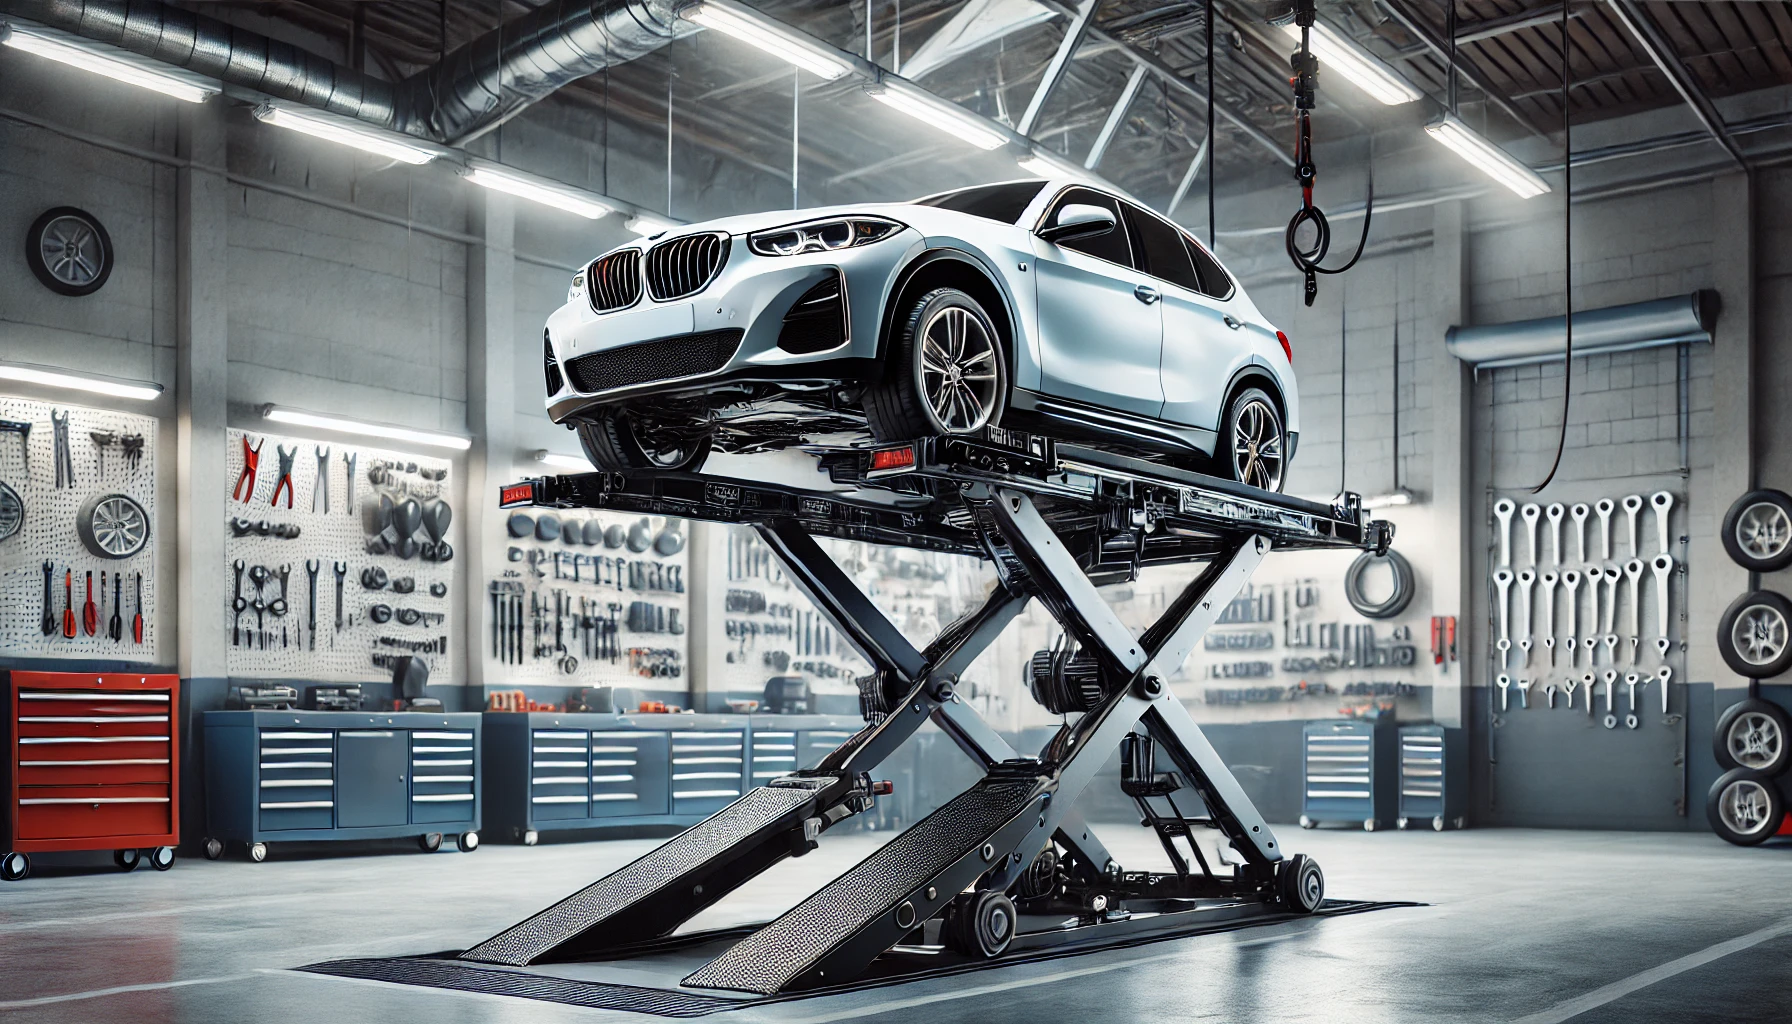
point(68, 604)
point(137, 620)
point(90, 615)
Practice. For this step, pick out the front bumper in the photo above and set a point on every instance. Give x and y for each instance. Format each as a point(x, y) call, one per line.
point(752, 294)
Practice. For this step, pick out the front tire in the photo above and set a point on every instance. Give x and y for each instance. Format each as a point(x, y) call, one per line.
point(945, 372)
point(616, 442)
point(1253, 443)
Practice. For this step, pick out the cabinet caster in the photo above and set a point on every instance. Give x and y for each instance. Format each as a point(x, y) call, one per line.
point(258, 852)
point(1369, 825)
point(1400, 823)
point(161, 858)
point(1306, 822)
point(213, 849)
point(467, 842)
point(14, 866)
point(126, 859)
point(430, 841)
point(1437, 823)
point(531, 837)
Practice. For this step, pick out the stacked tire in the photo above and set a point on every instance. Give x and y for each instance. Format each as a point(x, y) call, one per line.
point(1753, 740)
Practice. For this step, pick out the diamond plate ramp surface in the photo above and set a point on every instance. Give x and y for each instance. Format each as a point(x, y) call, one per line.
point(772, 957)
point(622, 889)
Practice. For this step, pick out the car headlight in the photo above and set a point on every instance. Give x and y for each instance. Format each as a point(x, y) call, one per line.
point(578, 286)
point(821, 235)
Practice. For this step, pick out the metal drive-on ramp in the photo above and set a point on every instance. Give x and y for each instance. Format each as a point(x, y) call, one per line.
point(1006, 869)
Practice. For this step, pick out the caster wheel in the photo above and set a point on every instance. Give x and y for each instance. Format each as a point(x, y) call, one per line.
point(1369, 825)
point(430, 841)
point(1400, 823)
point(1437, 824)
point(161, 858)
point(1300, 885)
point(1461, 822)
point(980, 925)
point(258, 852)
point(1306, 822)
point(14, 866)
point(126, 859)
point(531, 837)
point(213, 849)
point(467, 842)
point(1744, 807)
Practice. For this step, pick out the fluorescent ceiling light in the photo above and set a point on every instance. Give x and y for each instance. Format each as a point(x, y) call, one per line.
point(645, 224)
point(540, 190)
point(1362, 68)
point(1389, 500)
point(50, 376)
point(1050, 165)
point(576, 463)
point(1493, 161)
point(947, 117)
point(753, 28)
point(368, 140)
point(348, 426)
point(181, 88)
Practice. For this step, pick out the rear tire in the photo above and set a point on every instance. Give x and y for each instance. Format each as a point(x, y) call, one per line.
point(614, 443)
point(944, 374)
point(1253, 443)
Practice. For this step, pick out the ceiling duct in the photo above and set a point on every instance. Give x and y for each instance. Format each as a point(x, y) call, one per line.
point(470, 91)
point(1685, 318)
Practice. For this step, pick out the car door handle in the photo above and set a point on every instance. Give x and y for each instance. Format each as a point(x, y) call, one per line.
point(1232, 322)
point(1146, 294)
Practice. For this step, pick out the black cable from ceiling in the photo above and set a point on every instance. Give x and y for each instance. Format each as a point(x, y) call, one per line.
point(1210, 154)
point(1567, 255)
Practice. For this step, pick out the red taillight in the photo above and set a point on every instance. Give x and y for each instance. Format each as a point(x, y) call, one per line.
point(1287, 349)
point(884, 788)
point(892, 458)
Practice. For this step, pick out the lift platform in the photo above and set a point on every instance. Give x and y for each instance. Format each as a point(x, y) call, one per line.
point(1007, 868)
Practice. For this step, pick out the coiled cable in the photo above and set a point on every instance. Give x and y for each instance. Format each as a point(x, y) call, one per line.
point(1405, 584)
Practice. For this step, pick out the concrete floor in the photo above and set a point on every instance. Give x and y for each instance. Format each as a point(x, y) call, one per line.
point(1524, 926)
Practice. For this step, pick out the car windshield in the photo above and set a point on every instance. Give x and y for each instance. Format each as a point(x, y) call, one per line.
point(1004, 202)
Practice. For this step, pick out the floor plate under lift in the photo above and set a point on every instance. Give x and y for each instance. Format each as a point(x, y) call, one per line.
point(646, 979)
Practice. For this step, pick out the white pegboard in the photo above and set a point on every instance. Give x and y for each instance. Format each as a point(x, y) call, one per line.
point(339, 536)
point(593, 671)
point(49, 533)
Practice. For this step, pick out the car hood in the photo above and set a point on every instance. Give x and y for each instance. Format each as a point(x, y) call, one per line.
point(746, 222)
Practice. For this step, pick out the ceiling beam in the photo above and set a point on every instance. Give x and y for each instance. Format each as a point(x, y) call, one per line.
point(1465, 66)
point(1489, 28)
point(1115, 116)
point(1074, 35)
point(1648, 35)
point(1169, 75)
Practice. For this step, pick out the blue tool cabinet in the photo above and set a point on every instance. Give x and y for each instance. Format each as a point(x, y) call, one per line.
point(551, 771)
point(1349, 773)
point(332, 775)
point(1433, 776)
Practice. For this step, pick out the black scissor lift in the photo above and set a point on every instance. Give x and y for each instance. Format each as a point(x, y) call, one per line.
point(1007, 866)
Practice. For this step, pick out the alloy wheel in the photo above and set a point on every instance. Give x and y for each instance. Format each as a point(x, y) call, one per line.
point(957, 370)
point(72, 251)
point(1745, 807)
point(1760, 634)
point(1755, 740)
point(1764, 530)
point(1257, 452)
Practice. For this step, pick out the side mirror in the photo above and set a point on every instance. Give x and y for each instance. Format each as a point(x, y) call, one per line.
point(1079, 221)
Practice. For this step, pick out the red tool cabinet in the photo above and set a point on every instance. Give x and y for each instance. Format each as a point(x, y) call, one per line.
point(93, 763)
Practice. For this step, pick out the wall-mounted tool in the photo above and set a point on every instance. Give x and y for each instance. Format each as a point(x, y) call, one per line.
point(1554, 514)
point(1662, 502)
point(1502, 513)
point(65, 462)
point(244, 490)
point(1530, 513)
point(23, 429)
point(1604, 508)
point(137, 619)
point(238, 605)
point(341, 573)
point(133, 450)
point(1502, 580)
point(1571, 583)
point(1633, 571)
point(1632, 504)
point(284, 480)
point(1579, 512)
point(320, 488)
point(90, 613)
point(348, 460)
point(68, 605)
point(115, 627)
point(1663, 565)
point(49, 624)
point(1526, 578)
point(102, 439)
point(12, 511)
point(1548, 579)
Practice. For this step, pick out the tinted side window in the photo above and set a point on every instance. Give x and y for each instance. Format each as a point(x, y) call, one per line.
point(1214, 281)
point(1111, 246)
point(1165, 256)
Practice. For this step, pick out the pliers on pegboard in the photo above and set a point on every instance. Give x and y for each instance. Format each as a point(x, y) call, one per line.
point(251, 461)
point(285, 479)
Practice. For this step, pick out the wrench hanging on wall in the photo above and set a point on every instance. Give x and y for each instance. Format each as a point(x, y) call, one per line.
point(1632, 504)
point(1548, 579)
point(1571, 583)
point(1662, 502)
point(1579, 513)
point(1502, 511)
point(1502, 580)
point(1554, 514)
point(320, 489)
point(1604, 507)
point(1633, 571)
point(1663, 565)
point(1530, 514)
